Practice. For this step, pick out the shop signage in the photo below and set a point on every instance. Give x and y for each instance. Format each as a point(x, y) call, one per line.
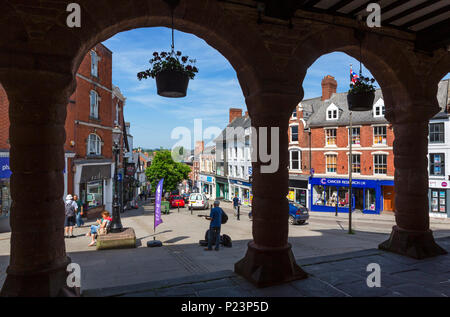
point(444, 184)
point(207, 179)
point(344, 182)
point(5, 171)
point(240, 183)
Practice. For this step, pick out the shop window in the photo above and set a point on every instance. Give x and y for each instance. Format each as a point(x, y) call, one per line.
point(294, 133)
point(94, 145)
point(356, 136)
point(331, 196)
point(370, 203)
point(94, 104)
point(438, 200)
point(318, 195)
point(379, 135)
point(5, 198)
point(437, 132)
point(331, 163)
point(380, 163)
point(343, 197)
point(437, 164)
point(92, 194)
point(356, 163)
point(295, 160)
point(94, 64)
point(330, 136)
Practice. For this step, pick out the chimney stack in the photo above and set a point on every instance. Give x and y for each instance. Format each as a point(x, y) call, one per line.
point(329, 86)
point(235, 113)
point(246, 113)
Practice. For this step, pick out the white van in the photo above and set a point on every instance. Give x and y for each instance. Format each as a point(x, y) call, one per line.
point(198, 201)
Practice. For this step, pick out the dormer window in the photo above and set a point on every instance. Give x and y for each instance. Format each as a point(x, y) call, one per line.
point(378, 109)
point(332, 112)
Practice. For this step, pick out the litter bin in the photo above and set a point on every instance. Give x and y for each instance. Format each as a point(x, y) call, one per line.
point(165, 207)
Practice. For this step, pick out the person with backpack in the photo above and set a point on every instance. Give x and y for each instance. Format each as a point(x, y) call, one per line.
point(214, 228)
point(70, 213)
point(236, 204)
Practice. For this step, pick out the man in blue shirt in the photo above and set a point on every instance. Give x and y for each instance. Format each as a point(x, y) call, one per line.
point(214, 228)
point(236, 204)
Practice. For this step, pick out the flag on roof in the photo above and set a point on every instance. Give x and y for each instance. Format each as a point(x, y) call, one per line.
point(353, 76)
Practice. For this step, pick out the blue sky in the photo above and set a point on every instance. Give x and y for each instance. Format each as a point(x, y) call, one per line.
point(214, 90)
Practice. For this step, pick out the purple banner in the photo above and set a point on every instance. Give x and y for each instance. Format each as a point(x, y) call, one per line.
point(158, 196)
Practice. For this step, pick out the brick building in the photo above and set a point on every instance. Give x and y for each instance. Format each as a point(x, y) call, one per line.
point(319, 133)
point(94, 109)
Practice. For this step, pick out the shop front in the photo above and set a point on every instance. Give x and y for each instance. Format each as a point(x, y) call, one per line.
point(242, 190)
point(208, 186)
point(222, 188)
point(5, 194)
point(95, 187)
point(439, 197)
point(298, 190)
point(329, 194)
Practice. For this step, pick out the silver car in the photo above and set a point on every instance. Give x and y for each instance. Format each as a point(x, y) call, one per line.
point(198, 201)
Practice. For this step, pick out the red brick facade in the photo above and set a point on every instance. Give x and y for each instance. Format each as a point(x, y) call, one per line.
point(4, 120)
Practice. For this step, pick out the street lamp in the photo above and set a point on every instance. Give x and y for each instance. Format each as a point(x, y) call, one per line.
point(116, 225)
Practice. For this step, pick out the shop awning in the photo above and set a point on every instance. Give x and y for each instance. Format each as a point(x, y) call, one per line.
point(95, 172)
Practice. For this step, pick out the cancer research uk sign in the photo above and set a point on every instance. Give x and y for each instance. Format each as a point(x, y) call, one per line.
point(158, 197)
point(5, 171)
point(345, 182)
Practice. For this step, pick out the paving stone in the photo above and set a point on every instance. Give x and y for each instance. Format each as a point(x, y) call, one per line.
point(285, 290)
point(175, 291)
point(233, 291)
point(339, 277)
point(419, 277)
point(415, 290)
point(360, 289)
point(313, 287)
point(212, 284)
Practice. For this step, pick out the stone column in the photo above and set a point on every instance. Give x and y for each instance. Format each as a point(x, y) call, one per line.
point(37, 115)
point(269, 259)
point(412, 235)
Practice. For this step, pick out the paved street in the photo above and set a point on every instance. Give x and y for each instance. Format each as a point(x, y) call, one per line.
point(181, 256)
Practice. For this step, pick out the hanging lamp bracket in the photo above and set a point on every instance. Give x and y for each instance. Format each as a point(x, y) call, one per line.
point(172, 3)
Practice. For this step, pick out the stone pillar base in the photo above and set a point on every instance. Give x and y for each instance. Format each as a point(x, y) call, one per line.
point(417, 245)
point(269, 266)
point(45, 283)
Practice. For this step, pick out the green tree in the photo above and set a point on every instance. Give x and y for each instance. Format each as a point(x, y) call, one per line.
point(163, 166)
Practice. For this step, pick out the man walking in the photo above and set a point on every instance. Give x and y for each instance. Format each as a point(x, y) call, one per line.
point(236, 204)
point(70, 212)
point(79, 219)
point(214, 228)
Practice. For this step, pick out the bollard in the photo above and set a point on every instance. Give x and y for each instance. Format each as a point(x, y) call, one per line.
point(238, 212)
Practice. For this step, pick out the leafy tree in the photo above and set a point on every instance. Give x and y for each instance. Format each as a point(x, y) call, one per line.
point(163, 166)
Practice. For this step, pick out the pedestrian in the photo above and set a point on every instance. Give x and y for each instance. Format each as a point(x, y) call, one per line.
point(70, 212)
point(146, 195)
point(236, 204)
point(214, 227)
point(80, 212)
point(101, 227)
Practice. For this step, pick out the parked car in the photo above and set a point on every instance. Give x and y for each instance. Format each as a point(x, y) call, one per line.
point(298, 214)
point(185, 198)
point(198, 201)
point(176, 201)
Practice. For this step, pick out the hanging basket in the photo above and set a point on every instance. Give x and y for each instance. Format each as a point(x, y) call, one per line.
point(172, 84)
point(361, 101)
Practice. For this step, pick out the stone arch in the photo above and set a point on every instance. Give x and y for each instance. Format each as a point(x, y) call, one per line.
point(389, 60)
point(235, 40)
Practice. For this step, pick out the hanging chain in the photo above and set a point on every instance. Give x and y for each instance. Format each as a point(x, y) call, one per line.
point(173, 41)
